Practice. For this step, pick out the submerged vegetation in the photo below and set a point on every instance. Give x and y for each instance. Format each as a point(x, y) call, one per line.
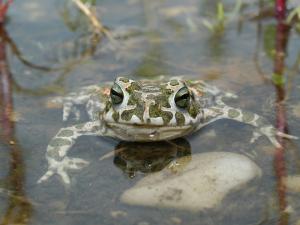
point(217, 25)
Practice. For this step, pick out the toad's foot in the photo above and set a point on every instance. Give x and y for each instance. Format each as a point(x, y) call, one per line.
point(69, 108)
point(62, 142)
point(271, 134)
point(73, 100)
point(60, 168)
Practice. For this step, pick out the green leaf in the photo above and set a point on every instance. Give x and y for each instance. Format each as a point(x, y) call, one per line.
point(269, 40)
point(278, 79)
point(220, 11)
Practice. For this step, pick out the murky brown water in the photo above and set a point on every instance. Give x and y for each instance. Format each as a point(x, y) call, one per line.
point(50, 50)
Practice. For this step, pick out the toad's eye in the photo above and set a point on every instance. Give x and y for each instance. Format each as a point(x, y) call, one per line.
point(182, 97)
point(116, 94)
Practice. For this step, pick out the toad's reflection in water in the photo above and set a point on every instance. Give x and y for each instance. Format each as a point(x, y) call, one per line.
point(133, 157)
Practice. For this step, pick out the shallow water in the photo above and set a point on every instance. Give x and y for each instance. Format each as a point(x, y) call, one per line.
point(49, 52)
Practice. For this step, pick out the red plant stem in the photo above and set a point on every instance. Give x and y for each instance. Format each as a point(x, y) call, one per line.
point(280, 9)
point(3, 9)
point(282, 35)
point(6, 101)
point(18, 210)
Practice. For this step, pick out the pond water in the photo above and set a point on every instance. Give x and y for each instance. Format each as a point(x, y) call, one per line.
point(50, 50)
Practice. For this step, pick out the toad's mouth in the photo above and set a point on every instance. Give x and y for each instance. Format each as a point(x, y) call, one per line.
point(148, 126)
point(148, 132)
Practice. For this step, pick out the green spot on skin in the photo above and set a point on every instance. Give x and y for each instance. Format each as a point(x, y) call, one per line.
point(247, 117)
point(261, 122)
point(53, 153)
point(131, 101)
point(127, 114)
point(133, 87)
point(164, 90)
point(115, 116)
point(166, 116)
point(179, 119)
point(165, 104)
point(154, 111)
point(160, 100)
point(108, 106)
point(233, 113)
point(79, 126)
point(167, 91)
point(124, 80)
point(139, 111)
point(134, 99)
point(193, 110)
point(57, 142)
point(163, 101)
point(65, 133)
point(174, 82)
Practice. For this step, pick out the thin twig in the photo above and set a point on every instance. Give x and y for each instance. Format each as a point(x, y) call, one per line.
point(98, 27)
point(112, 153)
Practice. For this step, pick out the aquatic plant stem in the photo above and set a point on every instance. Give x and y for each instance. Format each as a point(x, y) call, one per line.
point(280, 9)
point(6, 102)
point(3, 9)
point(18, 209)
point(282, 36)
point(98, 27)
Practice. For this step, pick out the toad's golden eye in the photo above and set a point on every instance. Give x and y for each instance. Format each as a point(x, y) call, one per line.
point(116, 94)
point(182, 97)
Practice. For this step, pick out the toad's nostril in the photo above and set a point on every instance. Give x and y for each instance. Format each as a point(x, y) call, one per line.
point(153, 134)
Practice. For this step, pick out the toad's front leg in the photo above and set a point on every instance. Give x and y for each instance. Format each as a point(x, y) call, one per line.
point(61, 143)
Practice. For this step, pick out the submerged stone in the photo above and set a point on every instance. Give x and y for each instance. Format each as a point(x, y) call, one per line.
point(292, 182)
point(202, 184)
